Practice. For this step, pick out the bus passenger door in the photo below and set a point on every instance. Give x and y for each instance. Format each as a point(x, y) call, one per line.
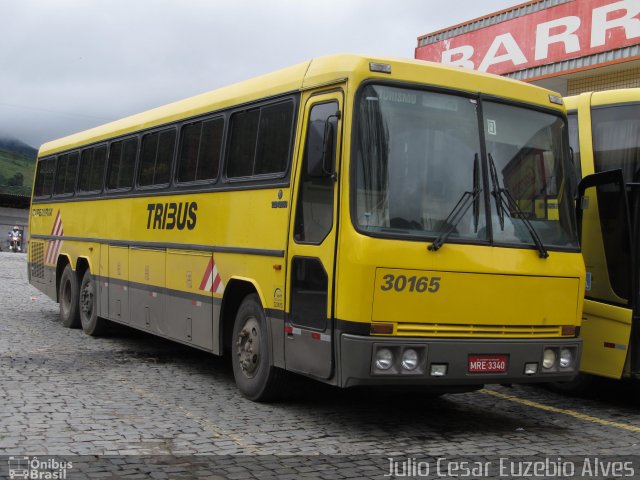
point(605, 235)
point(312, 240)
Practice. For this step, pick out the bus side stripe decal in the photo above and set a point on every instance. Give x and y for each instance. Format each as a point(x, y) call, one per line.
point(211, 281)
point(207, 274)
point(50, 242)
point(57, 245)
point(53, 247)
point(217, 286)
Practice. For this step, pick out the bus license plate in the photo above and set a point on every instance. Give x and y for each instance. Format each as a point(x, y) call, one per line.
point(487, 363)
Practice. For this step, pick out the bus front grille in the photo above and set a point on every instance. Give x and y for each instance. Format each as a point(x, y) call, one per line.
point(477, 331)
point(37, 259)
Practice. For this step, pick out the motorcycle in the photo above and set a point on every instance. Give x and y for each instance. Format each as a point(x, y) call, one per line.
point(15, 242)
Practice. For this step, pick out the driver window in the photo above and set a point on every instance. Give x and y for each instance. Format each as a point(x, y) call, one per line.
point(314, 215)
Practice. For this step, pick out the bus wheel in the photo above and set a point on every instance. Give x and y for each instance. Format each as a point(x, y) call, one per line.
point(91, 323)
point(255, 377)
point(580, 385)
point(68, 298)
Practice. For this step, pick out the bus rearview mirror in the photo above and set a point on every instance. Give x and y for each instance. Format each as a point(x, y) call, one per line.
point(321, 147)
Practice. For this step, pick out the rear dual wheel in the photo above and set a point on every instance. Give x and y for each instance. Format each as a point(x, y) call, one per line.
point(91, 323)
point(78, 306)
point(68, 298)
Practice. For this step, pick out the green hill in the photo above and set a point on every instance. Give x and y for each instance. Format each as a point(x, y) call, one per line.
point(17, 164)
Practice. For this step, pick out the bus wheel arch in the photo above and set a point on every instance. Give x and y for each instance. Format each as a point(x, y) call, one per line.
point(82, 265)
point(235, 292)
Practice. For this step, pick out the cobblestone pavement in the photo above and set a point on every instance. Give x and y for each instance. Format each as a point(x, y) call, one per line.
point(143, 402)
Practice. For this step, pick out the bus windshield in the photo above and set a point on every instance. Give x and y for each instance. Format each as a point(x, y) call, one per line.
point(418, 156)
point(616, 145)
point(528, 150)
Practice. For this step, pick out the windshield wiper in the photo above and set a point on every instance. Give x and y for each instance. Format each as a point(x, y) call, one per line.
point(460, 209)
point(495, 184)
point(455, 217)
point(505, 202)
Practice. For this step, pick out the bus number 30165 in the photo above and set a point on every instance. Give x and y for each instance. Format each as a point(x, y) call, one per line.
point(401, 283)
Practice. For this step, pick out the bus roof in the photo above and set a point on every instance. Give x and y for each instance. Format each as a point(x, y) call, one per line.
point(606, 97)
point(312, 73)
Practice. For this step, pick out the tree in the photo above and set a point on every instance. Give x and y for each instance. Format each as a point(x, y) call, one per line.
point(17, 180)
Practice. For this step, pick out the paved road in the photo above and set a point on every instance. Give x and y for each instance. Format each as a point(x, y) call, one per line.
point(133, 398)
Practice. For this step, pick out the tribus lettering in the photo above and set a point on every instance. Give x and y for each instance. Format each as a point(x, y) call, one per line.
point(168, 216)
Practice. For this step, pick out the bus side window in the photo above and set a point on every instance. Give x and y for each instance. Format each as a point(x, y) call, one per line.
point(86, 167)
point(92, 169)
point(200, 145)
point(314, 215)
point(156, 158)
point(44, 177)
point(61, 172)
point(122, 160)
point(96, 178)
point(66, 174)
point(210, 148)
point(260, 140)
point(616, 139)
point(274, 138)
point(242, 143)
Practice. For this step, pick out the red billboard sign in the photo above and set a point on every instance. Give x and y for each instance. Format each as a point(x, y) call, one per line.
point(573, 29)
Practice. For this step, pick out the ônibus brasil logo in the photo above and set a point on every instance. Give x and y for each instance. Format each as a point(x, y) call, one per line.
point(38, 469)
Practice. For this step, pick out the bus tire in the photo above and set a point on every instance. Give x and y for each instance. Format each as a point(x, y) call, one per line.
point(255, 376)
point(68, 298)
point(581, 384)
point(91, 323)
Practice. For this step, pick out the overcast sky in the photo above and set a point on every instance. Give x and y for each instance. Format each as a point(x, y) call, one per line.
point(68, 65)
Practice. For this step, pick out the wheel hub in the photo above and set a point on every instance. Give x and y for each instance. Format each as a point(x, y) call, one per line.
point(86, 300)
point(248, 347)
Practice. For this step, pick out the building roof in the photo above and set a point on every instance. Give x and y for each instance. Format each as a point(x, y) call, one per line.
point(490, 19)
point(524, 36)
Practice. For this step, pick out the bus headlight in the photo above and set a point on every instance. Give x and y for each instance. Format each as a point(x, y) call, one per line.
point(384, 359)
point(549, 358)
point(410, 359)
point(566, 358)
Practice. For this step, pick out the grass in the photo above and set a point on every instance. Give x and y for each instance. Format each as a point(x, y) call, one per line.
point(12, 163)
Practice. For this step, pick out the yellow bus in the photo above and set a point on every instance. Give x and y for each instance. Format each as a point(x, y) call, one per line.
point(361, 221)
point(605, 137)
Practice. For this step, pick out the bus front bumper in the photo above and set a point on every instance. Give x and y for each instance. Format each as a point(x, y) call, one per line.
point(453, 362)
